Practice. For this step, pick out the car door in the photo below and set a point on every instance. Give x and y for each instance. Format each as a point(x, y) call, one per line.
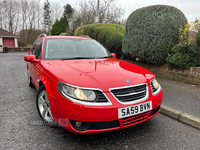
point(35, 67)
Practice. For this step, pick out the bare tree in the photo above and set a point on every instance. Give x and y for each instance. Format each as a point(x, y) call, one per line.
point(31, 19)
point(11, 14)
point(113, 12)
point(39, 14)
point(32, 14)
point(25, 16)
point(56, 11)
point(109, 12)
point(87, 11)
point(24, 12)
point(1, 15)
point(17, 20)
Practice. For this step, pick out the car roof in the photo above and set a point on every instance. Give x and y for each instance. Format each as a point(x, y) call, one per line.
point(67, 37)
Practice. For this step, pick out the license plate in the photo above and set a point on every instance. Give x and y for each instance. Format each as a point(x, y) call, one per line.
point(134, 110)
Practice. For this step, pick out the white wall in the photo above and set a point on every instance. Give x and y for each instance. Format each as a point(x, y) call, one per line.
point(1, 43)
point(16, 42)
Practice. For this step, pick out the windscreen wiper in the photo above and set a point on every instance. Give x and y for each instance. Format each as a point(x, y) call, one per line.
point(78, 58)
point(105, 57)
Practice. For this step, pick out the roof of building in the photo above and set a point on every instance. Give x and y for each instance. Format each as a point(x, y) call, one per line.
point(4, 33)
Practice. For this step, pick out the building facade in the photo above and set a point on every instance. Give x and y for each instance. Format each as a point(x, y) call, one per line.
point(7, 39)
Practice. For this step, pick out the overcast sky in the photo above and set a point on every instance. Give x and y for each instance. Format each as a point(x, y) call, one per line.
point(191, 8)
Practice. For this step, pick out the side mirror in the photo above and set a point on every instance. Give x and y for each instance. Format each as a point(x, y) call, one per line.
point(114, 55)
point(30, 58)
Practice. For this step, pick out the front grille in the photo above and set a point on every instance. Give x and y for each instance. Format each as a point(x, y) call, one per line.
point(100, 97)
point(131, 93)
point(132, 120)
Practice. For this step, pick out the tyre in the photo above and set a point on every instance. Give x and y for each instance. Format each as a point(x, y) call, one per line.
point(29, 80)
point(43, 107)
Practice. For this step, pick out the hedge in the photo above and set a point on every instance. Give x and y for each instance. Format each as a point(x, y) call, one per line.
point(198, 38)
point(151, 32)
point(109, 35)
point(183, 57)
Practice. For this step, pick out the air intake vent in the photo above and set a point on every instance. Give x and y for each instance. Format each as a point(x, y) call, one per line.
point(100, 97)
point(135, 119)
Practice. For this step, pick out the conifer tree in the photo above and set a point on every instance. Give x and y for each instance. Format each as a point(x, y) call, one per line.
point(47, 17)
point(60, 26)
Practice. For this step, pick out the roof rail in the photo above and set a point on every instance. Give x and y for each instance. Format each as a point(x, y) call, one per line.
point(41, 36)
point(85, 36)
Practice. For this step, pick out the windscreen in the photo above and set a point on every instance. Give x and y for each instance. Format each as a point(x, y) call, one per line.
point(63, 49)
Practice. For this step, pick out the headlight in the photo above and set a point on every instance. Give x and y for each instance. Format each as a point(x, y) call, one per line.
point(155, 86)
point(77, 93)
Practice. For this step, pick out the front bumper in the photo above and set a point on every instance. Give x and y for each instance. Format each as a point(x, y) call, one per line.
point(96, 119)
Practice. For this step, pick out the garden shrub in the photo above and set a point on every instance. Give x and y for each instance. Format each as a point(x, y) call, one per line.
point(182, 56)
point(197, 49)
point(109, 35)
point(198, 38)
point(151, 32)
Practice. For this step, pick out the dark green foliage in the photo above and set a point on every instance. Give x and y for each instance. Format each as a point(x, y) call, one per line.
point(183, 57)
point(63, 24)
point(60, 26)
point(55, 28)
point(47, 11)
point(109, 35)
point(198, 38)
point(151, 32)
point(68, 10)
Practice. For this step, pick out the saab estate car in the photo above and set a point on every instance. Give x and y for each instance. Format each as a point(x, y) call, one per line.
point(85, 89)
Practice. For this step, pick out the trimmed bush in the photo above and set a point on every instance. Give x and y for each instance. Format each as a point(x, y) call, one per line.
point(151, 32)
point(198, 38)
point(182, 57)
point(109, 35)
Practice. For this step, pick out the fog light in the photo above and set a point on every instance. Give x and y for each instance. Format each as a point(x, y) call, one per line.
point(78, 124)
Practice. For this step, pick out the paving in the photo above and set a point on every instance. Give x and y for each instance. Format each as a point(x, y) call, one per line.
point(181, 101)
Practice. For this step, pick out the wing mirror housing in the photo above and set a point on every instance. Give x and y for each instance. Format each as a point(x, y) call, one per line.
point(30, 58)
point(114, 55)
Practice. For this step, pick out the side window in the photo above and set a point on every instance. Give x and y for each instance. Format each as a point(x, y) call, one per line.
point(33, 49)
point(38, 49)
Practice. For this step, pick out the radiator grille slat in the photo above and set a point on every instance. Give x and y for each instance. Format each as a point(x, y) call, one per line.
point(131, 93)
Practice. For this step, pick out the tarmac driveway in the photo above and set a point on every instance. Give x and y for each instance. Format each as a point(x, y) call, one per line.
point(21, 128)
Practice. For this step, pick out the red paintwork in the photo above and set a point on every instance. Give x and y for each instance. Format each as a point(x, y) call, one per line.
point(30, 58)
point(91, 73)
point(114, 55)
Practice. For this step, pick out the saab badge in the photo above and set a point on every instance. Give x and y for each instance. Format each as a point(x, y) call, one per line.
point(127, 81)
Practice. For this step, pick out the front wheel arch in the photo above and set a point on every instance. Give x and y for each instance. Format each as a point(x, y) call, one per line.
point(40, 84)
point(43, 107)
point(51, 87)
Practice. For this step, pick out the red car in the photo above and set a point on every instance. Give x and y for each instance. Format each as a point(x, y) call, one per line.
point(86, 89)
